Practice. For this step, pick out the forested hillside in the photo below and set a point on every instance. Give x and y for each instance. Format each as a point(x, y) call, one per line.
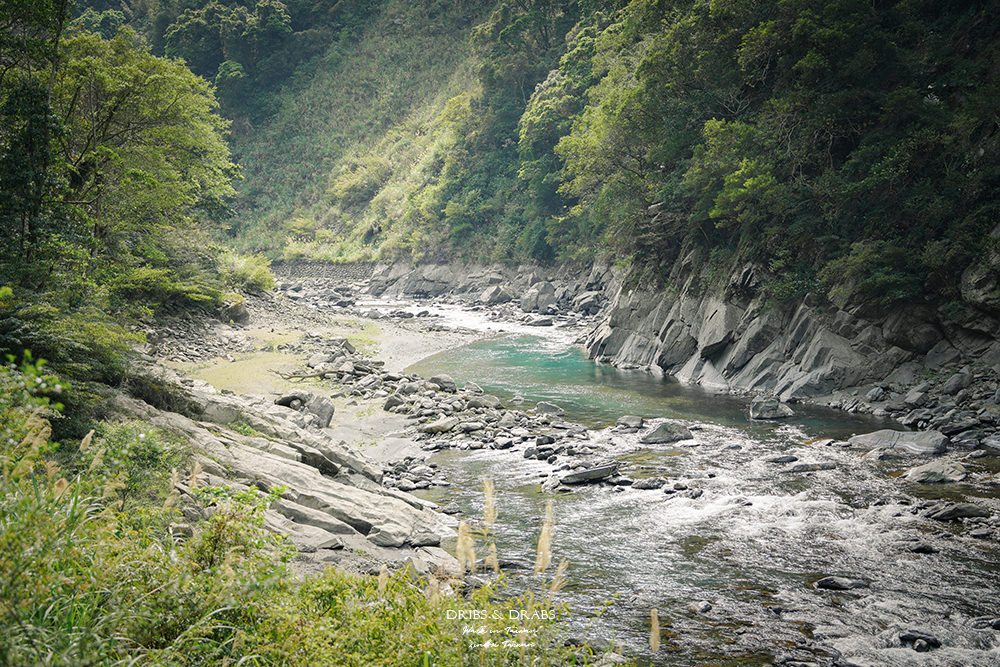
point(849, 146)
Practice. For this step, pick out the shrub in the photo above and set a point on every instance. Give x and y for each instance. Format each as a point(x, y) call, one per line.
point(248, 272)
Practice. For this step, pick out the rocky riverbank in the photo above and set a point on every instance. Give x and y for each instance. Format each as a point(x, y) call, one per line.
point(352, 435)
point(913, 365)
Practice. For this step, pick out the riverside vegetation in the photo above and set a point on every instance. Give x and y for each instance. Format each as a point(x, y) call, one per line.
point(847, 150)
point(114, 179)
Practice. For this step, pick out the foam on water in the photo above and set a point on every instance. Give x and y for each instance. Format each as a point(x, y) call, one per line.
point(753, 544)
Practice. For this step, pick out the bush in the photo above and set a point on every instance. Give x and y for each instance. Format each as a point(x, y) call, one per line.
point(90, 572)
point(248, 272)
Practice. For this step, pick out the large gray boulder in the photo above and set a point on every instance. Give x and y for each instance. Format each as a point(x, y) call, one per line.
point(937, 472)
point(590, 474)
point(913, 442)
point(538, 297)
point(769, 408)
point(494, 295)
point(666, 433)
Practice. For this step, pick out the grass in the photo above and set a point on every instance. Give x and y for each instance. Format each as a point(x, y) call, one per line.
point(91, 572)
point(361, 126)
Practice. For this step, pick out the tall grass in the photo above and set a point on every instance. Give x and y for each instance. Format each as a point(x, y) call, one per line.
point(91, 572)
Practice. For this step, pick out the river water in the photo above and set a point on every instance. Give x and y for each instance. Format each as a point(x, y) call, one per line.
point(731, 572)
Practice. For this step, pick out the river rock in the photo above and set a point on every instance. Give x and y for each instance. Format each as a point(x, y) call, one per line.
point(810, 467)
point(956, 383)
point(293, 399)
point(937, 472)
point(839, 584)
point(483, 401)
point(784, 458)
point(649, 483)
point(666, 433)
point(442, 425)
point(769, 408)
point(322, 408)
point(954, 511)
point(445, 382)
point(392, 401)
point(590, 474)
point(546, 408)
point(914, 442)
point(540, 322)
point(630, 423)
point(494, 295)
point(919, 640)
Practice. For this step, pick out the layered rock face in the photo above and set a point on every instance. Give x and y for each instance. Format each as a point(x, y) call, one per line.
point(726, 339)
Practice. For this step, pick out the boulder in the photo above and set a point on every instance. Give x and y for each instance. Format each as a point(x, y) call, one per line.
point(546, 408)
point(293, 399)
point(769, 408)
point(445, 382)
point(494, 295)
point(839, 584)
point(630, 423)
point(914, 442)
point(936, 472)
point(666, 433)
point(234, 312)
point(590, 474)
point(442, 425)
point(588, 303)
point(649, 483)
point(954, 511)
point(956, 383)
point(322, 407)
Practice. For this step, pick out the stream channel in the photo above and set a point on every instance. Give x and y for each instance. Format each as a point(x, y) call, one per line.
point(731, 572)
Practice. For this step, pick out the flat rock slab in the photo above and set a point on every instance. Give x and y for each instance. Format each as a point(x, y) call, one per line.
point(839, 584)
point(590, 475)
point(937, 472)
point(665, 434)
point(956, 511)
point(810, 467)
point(914, 442)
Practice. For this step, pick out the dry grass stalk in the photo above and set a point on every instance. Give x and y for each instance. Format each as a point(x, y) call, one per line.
point(559, 581)
point(85, 443)
point(490, 506)
point(544, 552)
point(492, 561)
point(196, 471)
point(383, 579)
point(654, 629)
point(464, 549)
point(433, 592)
point(172, 495)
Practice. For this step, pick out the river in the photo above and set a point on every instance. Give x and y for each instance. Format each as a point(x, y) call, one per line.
point(731, 571)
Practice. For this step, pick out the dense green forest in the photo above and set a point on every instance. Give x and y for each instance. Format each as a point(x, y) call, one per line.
point(849, 146)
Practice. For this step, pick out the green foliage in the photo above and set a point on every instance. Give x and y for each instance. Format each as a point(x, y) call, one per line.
point(246, 272)
point(81, 342)
point(91, 571)
point(350, 621)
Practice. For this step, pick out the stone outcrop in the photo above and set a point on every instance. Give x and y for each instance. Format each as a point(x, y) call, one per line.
point(333, 498)
point(725, 338)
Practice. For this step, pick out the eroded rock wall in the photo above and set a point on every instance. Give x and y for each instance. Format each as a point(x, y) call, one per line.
point(724, 337)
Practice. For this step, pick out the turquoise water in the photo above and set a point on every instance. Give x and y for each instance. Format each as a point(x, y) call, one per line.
point(751, 545)
point(538, 369)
